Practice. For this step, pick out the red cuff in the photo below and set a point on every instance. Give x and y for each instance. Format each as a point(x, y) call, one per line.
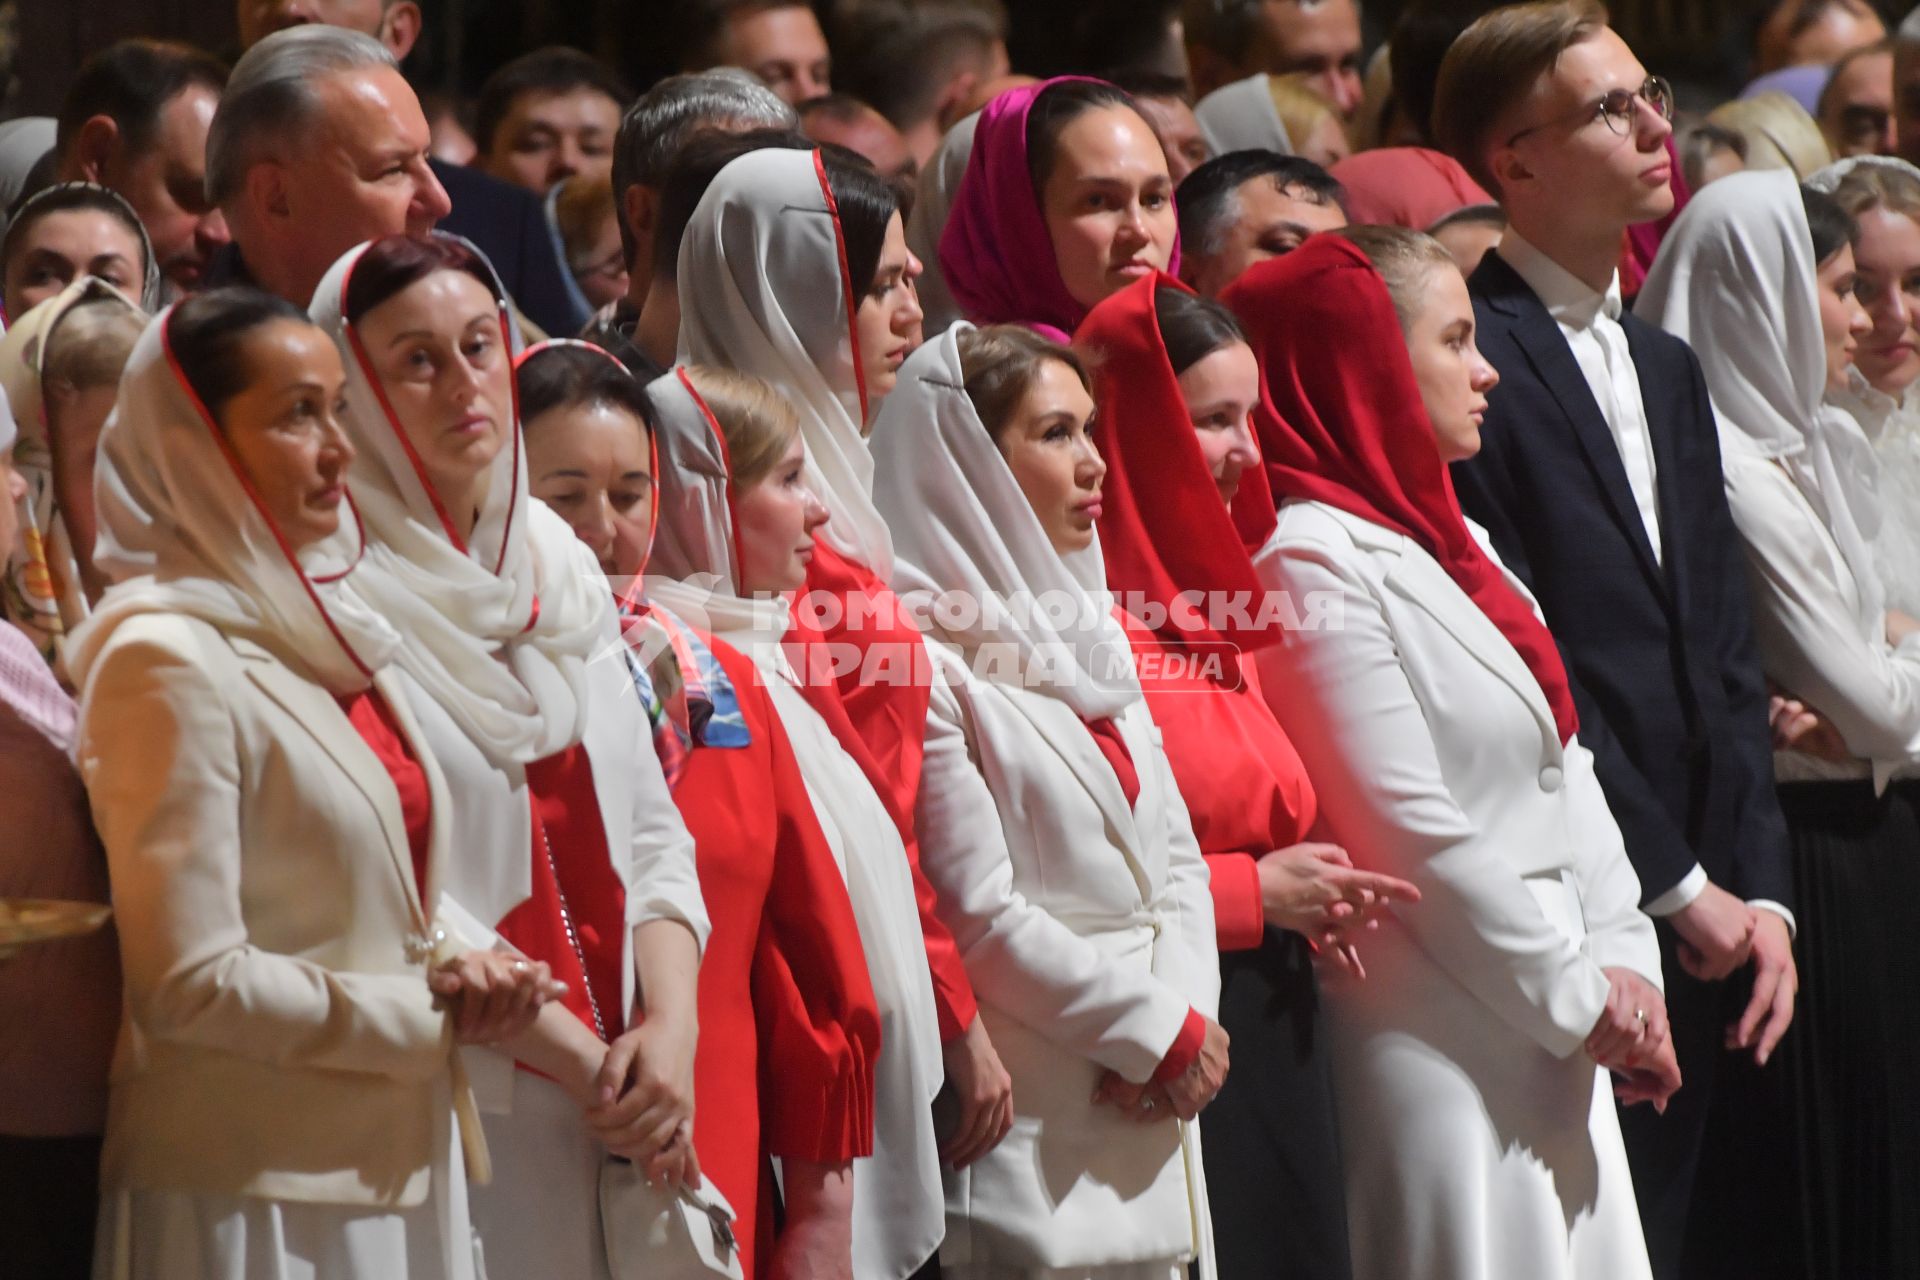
point(1239, 922)
point(1186, 1048)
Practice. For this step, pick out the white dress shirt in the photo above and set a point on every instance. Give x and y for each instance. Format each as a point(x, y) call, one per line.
point(1590, 322)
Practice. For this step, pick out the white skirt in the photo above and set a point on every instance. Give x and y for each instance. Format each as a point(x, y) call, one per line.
point(540, 1216)
point(191, 1235)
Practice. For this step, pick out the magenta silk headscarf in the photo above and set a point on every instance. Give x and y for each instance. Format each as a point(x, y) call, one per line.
point(996, 253)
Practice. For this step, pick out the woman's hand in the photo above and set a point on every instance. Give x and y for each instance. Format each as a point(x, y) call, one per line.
point(1194, 1088)
point(1655, 1081)
point(1900, 626)
point(1798, 727)
point(1315, 890)
point(816, 1239)
point(492, 996)
point(1632, 1028)
point(984, 1093)
point(645, 1099)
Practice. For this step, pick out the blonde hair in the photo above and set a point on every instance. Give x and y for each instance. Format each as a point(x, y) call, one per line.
point(1406, 260)
point(90, 343)
point(1877, 186)
point(1493, 66)
point(1779, 133)
point(1301, 108)
point(758, 426)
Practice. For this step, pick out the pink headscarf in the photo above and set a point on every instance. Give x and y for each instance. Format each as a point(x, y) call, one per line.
point(1407, 187)
point(996, 252)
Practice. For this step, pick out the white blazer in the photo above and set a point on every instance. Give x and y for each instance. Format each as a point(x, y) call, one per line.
point(1477, 1138)
point(279, 1039)
point(1087, 928)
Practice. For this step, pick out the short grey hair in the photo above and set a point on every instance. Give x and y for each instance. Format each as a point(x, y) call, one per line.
point(271, 96)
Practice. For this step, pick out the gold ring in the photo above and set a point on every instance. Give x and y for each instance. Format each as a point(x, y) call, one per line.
point(1640, 1016)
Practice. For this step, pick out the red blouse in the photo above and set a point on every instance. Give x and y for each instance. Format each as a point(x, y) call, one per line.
point(578, 883)
point(789, 1026)
point(372, 718)
point(883, 701)
point(1243, 782)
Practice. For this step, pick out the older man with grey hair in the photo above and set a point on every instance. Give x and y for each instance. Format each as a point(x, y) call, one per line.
point(651, 136)
point(318, 144)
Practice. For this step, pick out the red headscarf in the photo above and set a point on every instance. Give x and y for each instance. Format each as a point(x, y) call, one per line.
point(1342, 423)
point(1406, 187)
point(1164, 530)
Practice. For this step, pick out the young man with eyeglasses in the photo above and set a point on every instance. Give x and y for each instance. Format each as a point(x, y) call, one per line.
point(1599, 481)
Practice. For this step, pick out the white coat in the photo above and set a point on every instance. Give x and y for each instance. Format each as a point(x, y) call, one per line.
point(1480, 1142)
point(1087, 928)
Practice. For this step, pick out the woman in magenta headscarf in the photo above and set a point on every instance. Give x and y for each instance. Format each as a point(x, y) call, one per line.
point(1066, 201)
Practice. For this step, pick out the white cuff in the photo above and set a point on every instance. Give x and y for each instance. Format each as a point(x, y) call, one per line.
point(1691, 886)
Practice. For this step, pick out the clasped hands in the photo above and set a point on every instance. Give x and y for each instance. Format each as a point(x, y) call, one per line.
point(1182, 1097)
point(636, 1093)
point(1316, 891)
point(1631, 1040)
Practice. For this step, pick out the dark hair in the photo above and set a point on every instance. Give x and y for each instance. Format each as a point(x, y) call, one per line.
point(1832, 227)
point(1494, 65)
point(391, 263)
point(700, 161)
point(1206, 203)
point(568, 376)
point(999, 362)
point(702, 23)
point(1146, 82)
point(1056, 107)
point(204, 334)
point(555, 69)
point(867, 203)
point(1192, 327)
point(902, 59)
point(65, 197)
point(131, 82)
point(1420, 40)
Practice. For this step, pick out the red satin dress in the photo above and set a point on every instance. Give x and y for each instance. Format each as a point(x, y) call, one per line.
point(373, 720)
point(889, 716)
point(789, 1028)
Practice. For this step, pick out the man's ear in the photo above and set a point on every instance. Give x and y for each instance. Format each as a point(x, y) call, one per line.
point(266, 189)
point(95, 145)
point(640, 210)
point(400, 28)
point(1508, 169)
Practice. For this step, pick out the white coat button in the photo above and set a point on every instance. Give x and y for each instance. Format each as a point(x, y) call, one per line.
point(1550, 778)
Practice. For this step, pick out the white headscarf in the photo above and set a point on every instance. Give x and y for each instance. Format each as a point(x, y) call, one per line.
point(150, 283)
point(768, 254)
point(182, 530)
point(499, 631)
point(694, 568)
point(1736, 279)
point(1828, 180)
point(971, 546)
point(932, 202)
point(1241, 117)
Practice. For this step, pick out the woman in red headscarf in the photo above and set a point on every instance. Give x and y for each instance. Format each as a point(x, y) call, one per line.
point(1434, 716)
point(1182, 512)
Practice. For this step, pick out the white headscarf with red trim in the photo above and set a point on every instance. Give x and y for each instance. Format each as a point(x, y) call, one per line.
point(765, 258)
point(182, 530)
point(499, 626)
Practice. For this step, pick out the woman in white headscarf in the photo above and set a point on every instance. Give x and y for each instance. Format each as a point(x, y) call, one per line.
point(737, 526)
point(809, 286)
point(1243, 116)
point(88, 328)
point(1758, 276)
point(570, 841)
point(284, 1093)
point(1882, 194)
point(1062, 851)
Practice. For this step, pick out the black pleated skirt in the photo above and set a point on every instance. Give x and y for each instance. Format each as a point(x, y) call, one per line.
point(1832, 1125)
point(1272, 1152)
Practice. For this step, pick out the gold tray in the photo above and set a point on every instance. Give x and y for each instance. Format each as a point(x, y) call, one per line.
point(24, 921)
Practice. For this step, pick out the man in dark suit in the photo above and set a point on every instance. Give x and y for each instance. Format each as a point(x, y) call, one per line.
point(504, 222)
point(1599, 481)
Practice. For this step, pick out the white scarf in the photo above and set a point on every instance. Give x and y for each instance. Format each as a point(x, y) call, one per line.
point(182, 531)
point(972, 549)
point(499, 633)
point(1241, 117)
point(932, 202)
point(1736, 279)
point(765, 256)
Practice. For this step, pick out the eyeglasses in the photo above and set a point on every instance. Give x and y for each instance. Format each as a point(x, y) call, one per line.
point(1619, 109)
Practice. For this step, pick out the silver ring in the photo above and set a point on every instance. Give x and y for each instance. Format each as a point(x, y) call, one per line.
point(1146, 1104)
point(519, 966)
point(1640, 1016)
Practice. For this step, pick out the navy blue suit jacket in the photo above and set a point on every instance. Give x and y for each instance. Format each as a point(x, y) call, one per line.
point(1665, 674)
point(509, 225)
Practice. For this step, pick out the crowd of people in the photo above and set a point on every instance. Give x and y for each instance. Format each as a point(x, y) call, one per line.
point(1250, 663)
